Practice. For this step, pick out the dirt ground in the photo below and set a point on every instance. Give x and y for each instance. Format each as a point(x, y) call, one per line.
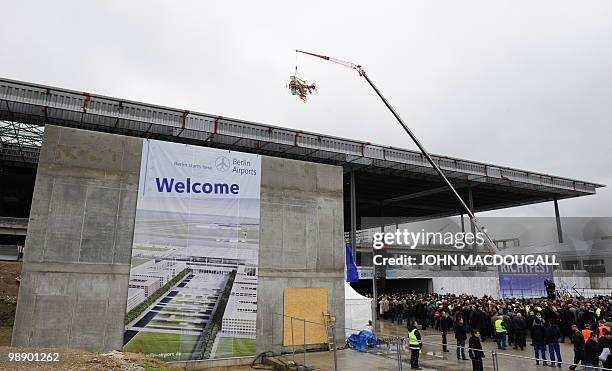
point(71, 359)
point(9, 272)
point(9, 288)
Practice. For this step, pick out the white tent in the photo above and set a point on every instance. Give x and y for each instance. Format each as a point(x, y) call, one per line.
point(357, 310)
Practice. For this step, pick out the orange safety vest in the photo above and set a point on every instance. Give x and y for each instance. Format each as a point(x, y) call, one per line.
point(586, 334)
point(601, 328)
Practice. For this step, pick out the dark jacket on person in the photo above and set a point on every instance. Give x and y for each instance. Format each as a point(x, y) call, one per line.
point(474, 344)
point(420, 311)
point(552, 334)
point(478, 320)
point(591, 356)
point(466, 314)
point(445, 323)
point(588, 317)
point(519, 323)
point(578, 341)
point(538, 334)
point(460, 331)
point(507, 321)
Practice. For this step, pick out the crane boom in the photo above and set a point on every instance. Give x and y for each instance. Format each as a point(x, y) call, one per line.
point(354, 66)
point(490, 244)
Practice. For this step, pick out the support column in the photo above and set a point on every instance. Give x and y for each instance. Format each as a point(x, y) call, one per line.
point(471, 206)
point(374, 288)
point(462, 224)
point(353, 202)
point(558, 218)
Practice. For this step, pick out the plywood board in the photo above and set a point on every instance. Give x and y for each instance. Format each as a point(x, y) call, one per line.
point(308, 304)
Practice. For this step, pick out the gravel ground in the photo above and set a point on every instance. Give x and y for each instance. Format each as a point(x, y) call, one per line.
point(71, 359)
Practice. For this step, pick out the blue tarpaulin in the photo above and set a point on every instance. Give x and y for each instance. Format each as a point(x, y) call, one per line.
point(352, 275)
point(362, 340)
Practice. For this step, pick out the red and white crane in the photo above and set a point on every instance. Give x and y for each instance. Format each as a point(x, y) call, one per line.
point(488, 241)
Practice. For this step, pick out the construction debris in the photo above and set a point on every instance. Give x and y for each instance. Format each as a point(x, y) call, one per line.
point(301, 88)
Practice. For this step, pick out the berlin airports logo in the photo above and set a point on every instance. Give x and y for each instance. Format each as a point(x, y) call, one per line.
point(222, 164)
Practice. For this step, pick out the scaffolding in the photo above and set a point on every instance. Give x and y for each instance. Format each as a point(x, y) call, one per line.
point(20, 142)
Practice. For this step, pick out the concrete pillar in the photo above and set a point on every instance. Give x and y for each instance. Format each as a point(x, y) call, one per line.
point(76, 262)
point(301, 241)
point(558, 219)
point(374, 288)
point(471, 206)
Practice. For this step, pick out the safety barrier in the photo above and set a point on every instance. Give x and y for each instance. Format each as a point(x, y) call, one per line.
point(523, 293)
point(591, 293)
point(493, 359)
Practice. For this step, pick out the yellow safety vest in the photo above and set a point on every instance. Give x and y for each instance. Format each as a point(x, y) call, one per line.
point(498, 326)
point(538, 308)
point(412, 339)
point(527, 307)
point(598, 312)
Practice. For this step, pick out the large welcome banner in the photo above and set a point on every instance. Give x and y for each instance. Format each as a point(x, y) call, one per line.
point(193, 278)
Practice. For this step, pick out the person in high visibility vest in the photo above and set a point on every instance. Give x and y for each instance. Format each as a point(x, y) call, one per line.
point(598, 313)
point(501, 334)
point(586, 333)
point(414, 344)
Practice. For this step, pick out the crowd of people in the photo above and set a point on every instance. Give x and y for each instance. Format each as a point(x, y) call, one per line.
point(586, 323)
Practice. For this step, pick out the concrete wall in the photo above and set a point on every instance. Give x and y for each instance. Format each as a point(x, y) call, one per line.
point(471, 283)
point(488, 283)
point(565, 279)
point(301, 241)
point(604, 282)
point(78, 248)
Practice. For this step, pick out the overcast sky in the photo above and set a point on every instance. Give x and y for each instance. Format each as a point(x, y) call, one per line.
point(526, 84)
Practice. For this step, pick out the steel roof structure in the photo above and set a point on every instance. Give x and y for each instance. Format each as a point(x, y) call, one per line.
point(400, 180)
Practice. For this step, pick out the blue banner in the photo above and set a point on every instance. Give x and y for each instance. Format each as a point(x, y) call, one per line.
point(352, 275)
point(523, 280)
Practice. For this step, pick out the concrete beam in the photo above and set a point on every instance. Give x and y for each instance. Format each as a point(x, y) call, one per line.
point(13, 226)
point(13, 231)
point(409, 205)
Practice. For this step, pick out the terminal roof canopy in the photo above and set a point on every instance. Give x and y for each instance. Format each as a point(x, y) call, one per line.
point(399, 180)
